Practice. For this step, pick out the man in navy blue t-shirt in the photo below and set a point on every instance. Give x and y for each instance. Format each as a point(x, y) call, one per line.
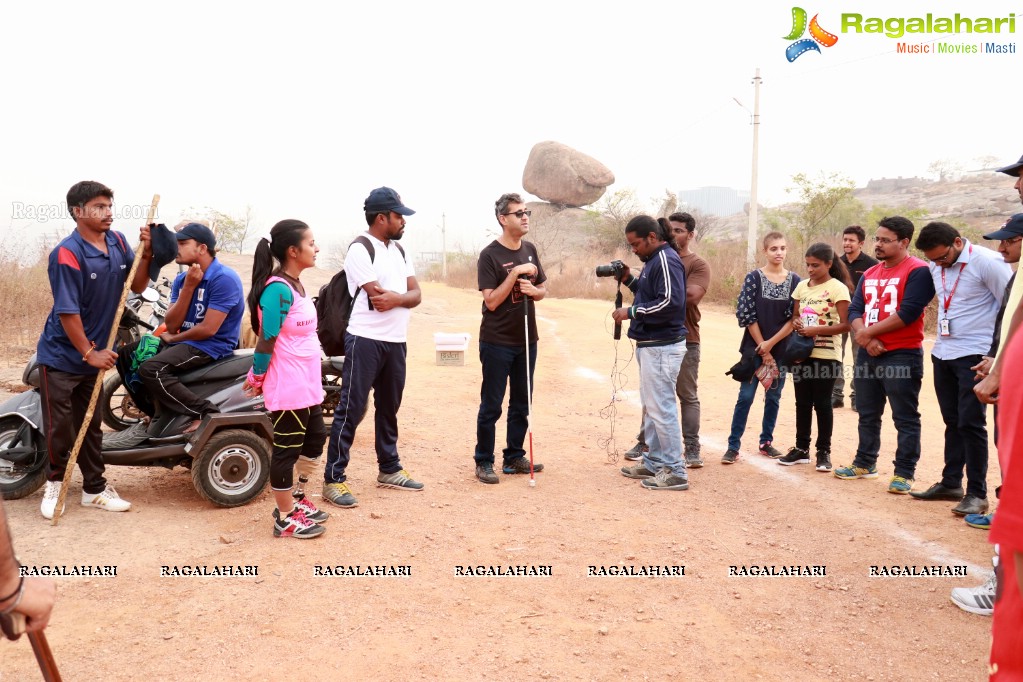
point(203, 325)
point(87, 272)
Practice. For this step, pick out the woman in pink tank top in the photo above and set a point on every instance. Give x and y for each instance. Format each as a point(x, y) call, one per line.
point(286, 370)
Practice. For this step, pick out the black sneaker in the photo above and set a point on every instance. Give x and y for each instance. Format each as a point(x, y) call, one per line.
point(485, 473)
point(521, 466)
point(693, 460)
point(635, 453)
point(730, 456)
point(768, 450)
point(823, 460)
point(665, 480)
point(794, 456)
point(837, 402)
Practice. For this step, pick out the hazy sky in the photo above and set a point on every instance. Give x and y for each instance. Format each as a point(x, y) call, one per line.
point(300, 109)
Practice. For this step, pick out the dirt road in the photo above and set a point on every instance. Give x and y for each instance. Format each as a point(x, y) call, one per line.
point(435, 624)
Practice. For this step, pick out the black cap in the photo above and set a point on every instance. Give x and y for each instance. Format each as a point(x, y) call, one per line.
point(165, 248)
point(1013, 169)
point(384, 199)
point(1013, 227)
point(199, 233)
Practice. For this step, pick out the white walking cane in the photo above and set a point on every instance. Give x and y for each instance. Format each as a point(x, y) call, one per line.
point(529, 397)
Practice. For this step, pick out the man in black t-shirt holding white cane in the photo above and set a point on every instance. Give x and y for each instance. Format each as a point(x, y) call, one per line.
point(511, 280)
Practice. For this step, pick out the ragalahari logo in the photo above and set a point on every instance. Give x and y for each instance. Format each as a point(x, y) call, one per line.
point(817, 35)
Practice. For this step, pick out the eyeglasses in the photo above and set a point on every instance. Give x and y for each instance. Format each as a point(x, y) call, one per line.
point(1010, 242)
point(944, 258)
point(518, 214)
point(882, 240)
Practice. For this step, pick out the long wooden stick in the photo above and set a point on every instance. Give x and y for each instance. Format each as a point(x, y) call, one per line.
point(98, 388)
point(13, 626)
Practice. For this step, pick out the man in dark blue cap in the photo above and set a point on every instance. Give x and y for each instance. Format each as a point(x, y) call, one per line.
point(203, 325)
point(383, 284)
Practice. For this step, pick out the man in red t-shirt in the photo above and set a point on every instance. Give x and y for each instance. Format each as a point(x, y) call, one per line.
point(888, 326)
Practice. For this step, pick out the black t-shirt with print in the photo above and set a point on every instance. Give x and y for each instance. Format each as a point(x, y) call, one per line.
point(504, 325)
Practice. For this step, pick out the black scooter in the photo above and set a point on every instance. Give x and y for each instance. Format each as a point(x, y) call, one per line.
point(229, 454)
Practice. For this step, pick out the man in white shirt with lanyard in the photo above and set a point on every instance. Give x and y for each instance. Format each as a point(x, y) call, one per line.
point(969, 282)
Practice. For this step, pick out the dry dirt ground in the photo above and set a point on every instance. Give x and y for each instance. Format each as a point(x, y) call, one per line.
point(436, 625)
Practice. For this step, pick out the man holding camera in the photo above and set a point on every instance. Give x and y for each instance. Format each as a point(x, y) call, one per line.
point(697, 271)
point(658, 328)
point(511, 280)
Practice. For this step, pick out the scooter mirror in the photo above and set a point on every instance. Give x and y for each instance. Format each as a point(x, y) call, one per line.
point(151, 295)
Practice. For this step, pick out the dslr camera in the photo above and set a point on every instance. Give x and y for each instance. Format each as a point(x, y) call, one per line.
point(613, 269)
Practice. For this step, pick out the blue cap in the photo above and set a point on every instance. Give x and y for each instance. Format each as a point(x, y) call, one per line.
point(199, 233)
point(1013, 227)
point(384, 199)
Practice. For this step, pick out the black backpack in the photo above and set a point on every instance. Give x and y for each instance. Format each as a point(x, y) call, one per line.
point(334, 305)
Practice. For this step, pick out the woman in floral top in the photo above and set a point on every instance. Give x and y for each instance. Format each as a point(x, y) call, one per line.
point(764, 308)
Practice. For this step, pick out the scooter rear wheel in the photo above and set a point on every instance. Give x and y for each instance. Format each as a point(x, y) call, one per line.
point(232, 468)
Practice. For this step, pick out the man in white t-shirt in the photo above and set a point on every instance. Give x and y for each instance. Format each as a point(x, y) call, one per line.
point(383, 283)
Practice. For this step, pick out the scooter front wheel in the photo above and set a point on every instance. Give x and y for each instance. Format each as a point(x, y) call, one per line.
point(19, 479)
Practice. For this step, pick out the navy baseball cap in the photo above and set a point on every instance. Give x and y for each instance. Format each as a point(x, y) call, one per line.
point(1013, 169)
point(384, 199)
point(1012, 228)
point(199, 233)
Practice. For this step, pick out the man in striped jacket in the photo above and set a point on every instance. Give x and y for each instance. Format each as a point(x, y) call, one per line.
point(657, 325)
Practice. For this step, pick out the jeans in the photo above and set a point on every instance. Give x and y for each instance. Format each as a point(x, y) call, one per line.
point(894, 377)
point(772, 402)
point(965, 420)
point(813, 382)
point(503, 365)
point(689, 400)
point(658, 372)
point(685, 389)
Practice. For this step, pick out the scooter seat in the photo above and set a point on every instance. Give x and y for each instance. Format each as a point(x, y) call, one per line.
point(234, 366)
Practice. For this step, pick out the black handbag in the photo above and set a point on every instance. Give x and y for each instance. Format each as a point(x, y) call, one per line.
point(743, 370)
point(797, 348)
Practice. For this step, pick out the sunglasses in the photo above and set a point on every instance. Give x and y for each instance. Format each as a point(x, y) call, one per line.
point(518, 214)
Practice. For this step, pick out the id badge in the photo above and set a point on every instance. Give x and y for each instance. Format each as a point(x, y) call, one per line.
point(872, 316)
point(944, 327)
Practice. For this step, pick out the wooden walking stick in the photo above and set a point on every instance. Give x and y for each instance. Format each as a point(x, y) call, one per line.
point(98, 388)
point(13, 625)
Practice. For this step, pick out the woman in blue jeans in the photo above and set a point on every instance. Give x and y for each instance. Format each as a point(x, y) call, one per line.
point(764, 310)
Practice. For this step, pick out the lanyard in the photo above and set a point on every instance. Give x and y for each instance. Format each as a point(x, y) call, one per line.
point(948, 297)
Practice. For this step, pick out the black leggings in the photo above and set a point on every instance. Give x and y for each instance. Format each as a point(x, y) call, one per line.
point(814, 381)
point(296, 432)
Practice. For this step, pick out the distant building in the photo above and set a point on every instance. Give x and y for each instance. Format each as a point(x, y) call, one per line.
point(720, 201)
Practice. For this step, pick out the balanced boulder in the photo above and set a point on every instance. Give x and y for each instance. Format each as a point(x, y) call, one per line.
point(561, 175)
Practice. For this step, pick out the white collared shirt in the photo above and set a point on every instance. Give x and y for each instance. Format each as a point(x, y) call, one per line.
point(982, 275)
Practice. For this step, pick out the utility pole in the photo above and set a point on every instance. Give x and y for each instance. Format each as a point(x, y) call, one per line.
point(444, 247)
point(751, 246)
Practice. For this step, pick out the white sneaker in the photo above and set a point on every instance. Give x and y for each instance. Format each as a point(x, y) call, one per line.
point(108, 500)
point(50, 495)
point(979, 600)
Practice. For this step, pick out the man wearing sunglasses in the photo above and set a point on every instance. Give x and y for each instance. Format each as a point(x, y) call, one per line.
point(512, 280)
point(970, 282)
point(887, 316)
